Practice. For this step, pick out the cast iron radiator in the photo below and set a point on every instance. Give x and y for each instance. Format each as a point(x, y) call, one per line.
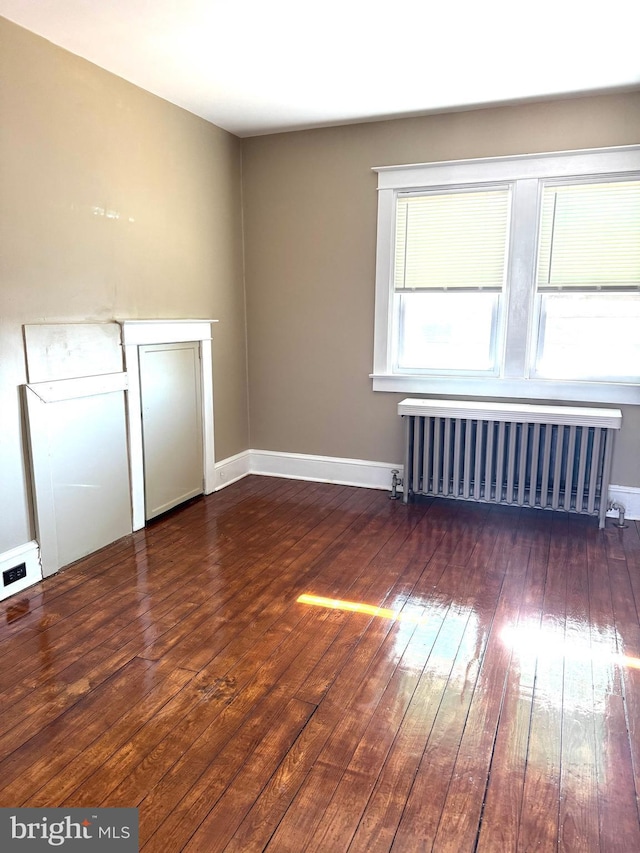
point(546, 457)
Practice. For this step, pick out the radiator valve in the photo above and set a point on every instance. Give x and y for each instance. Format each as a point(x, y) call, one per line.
point(395, 482)
point(619, 508)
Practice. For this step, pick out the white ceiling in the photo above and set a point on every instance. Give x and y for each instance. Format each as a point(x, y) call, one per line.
point(260, 66)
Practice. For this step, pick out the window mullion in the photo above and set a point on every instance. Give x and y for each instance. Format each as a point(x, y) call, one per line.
point(518, 324)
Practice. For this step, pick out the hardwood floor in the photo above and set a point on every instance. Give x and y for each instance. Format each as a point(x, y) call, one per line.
point(466, 678)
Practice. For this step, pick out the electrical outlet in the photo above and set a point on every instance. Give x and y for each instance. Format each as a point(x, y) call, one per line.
point(15, 574)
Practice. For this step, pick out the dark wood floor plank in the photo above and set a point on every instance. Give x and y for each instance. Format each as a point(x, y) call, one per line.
point(244, 611)
point(619, 830)
point(227, 578)
point(228, 812)
point(31, 706)
point(503, 799)
point(372, 664)
point(54, 746)
point(244, 616)
point(129, 772)
point(423, 624)
point(173, 793)
point(476, 604)
point(628, 645)
point(275, 714)
point(377, 585)
point(171, 752)
point(118, 736)
point(462, 810)
point(343, 813)
point(578, 816)
point(384, 809)
point(253, 833)
point(539, 814)
point(470, 683)
point(382, 813)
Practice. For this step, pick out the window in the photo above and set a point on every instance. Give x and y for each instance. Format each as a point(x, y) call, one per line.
point(511, 276)
point(588, 276)
point(449, 270)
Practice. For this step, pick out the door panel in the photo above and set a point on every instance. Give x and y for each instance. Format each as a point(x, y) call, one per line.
point(170, 387)
point(80, 470)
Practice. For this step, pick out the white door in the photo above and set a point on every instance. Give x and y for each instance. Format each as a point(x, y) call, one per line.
point(171, 397)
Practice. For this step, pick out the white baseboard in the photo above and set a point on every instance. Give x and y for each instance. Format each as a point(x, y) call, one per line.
point(303, 466)
point(354, 472)
point(231, 469)
point(324, 469)
point(629, 497)
point(28, 554)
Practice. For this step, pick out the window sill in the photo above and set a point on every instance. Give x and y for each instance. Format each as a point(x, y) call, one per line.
point(524, 389)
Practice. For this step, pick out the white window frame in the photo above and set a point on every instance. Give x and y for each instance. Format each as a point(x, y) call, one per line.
point(526, 174)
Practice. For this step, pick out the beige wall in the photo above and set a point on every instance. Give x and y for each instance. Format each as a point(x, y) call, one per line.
point(74, 139)
point(310, 223)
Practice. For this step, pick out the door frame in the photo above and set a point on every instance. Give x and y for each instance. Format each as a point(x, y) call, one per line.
point(136, 333)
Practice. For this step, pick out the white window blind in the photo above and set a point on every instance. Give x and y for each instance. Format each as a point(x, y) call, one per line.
point(590, 236)
point(451, 240)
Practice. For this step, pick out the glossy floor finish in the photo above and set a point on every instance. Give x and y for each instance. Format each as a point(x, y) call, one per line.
point(456, 678)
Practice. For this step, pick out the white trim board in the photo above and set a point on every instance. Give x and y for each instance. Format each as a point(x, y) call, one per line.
point(28, 554)
point(140, 332)
point(586, 161)
point(525, 413)
point(232, 469)
point(323, 469)
point(85, 386)
point(353, 472)
point(304, 466)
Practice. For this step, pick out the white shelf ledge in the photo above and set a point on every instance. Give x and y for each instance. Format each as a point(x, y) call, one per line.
point(518, 412)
